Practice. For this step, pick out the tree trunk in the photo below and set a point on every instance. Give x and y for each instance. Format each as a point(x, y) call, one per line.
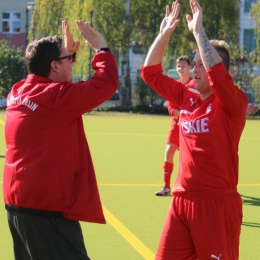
point(126, 79)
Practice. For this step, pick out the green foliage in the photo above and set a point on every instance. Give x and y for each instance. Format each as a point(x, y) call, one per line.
point(109, 17)
point(47, 19)
point(12, 67)
point(256, 88)
point(219, 21)
point(142, 90)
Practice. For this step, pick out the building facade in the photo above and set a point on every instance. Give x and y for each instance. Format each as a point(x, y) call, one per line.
point(247, 36)
point(15, 17)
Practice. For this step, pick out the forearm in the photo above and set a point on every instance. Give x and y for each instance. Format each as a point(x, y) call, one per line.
point(208, 53)
point(155, 54)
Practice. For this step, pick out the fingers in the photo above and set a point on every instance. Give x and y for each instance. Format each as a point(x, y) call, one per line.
point(93, 38)
point(170, 22)
point(188, 18)
point(192, 7)
point(66, 32)
point(167, 11)
point(175, 9)
point(195, 6)
point(65, 27)
point(68, 38)
point(175, 5)
point(77, 44)
point(63, 24)
point(86, 30)
point(83, 28)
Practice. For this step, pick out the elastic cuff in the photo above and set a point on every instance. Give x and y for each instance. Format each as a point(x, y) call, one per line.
point(103, 49)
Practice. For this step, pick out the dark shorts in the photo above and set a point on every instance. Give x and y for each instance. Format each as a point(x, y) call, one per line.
point(46, 238)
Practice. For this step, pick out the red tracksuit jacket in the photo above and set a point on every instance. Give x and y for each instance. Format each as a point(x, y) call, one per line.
point(48, 165)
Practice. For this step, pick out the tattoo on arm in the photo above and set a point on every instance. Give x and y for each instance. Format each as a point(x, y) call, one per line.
point(206, 53)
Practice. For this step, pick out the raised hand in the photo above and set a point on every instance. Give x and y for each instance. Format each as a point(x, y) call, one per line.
point(93, 38)
point(170, 21)
point(68, 39)
point(194, 22)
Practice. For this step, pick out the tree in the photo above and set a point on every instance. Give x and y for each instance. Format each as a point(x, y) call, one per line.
point(12, 67)
point(48, 15)
point(219, 19)
point(47, 18)
point(132, 23)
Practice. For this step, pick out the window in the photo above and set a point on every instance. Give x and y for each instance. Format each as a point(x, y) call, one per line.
point(249, 40)
point(248, 5)
point(11, 22)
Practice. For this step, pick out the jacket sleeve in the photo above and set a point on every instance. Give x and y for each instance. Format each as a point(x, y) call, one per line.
point(232, 99)
point(71, 100)
point(166, 87)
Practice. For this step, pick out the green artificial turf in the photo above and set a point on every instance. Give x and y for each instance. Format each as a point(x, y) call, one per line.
point(128, 152)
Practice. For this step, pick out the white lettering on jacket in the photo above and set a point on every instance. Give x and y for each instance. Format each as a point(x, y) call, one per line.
point(195, 127)
point(31, 105)
point(26, 102)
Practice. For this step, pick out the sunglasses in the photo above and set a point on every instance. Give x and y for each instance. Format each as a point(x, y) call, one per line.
point(71, 57)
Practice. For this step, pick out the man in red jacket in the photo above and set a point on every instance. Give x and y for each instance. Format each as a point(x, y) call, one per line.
point(49, 182)
point(205, 216)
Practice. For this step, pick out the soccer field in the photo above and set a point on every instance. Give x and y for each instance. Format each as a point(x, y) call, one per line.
point(128, 152)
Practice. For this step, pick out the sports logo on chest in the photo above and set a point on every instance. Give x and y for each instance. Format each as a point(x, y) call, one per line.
point(196, 126)
point(209, 108)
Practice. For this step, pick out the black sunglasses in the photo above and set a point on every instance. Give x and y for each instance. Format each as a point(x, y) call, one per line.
point(71, 57)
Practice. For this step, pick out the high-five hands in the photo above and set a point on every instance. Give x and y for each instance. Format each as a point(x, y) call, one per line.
point(69, 43)
point(93, 38)
point(195, 22)
point(170, 21)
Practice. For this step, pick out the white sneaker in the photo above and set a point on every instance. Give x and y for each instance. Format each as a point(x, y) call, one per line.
point(163, 192)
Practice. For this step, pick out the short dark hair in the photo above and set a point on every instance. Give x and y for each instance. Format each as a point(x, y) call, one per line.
point(185, 58)
point(40, 53)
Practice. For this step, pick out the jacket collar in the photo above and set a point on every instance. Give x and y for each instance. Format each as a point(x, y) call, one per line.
point(34, 79)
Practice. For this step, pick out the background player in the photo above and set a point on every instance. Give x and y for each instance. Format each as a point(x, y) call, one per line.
point(252, 108)
point(183, 67)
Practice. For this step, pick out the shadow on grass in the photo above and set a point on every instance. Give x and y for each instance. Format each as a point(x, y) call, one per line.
point(2, 156)
point(247, 200)
point(250, 224)
point(251, 201)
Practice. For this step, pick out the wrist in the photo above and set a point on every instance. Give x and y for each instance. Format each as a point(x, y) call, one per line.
point(198, 32)
point(163, 37)
point(103, 49)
